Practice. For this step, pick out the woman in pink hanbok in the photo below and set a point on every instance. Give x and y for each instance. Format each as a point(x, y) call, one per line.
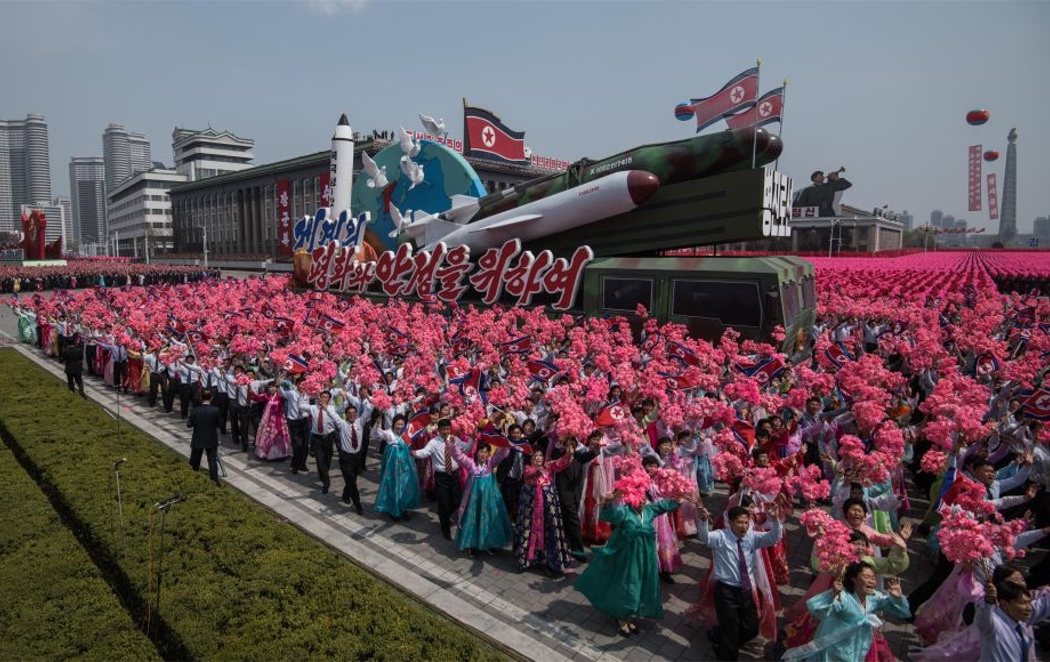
point(272, 439)
point(667, 551)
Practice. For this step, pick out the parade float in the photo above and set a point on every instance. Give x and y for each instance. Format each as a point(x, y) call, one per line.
point(416, 223)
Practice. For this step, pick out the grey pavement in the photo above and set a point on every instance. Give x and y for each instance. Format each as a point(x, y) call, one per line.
point(539, 617)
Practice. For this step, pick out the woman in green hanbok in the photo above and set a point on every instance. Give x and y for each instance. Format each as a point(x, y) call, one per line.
point(26, 326)
point(623, 578)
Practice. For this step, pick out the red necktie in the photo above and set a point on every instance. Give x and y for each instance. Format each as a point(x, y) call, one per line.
point(353, 438)
point(320, 421)
point(448, 455)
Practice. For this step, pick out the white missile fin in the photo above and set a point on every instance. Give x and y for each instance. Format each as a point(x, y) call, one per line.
point(515, 220)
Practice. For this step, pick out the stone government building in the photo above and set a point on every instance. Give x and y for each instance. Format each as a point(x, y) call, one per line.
point(240, 211)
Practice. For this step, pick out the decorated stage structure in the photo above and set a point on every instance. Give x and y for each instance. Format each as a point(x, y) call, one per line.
point(417, 222)
point(29, 248)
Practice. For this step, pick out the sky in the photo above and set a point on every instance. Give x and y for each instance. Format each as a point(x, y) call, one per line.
point(881, 88)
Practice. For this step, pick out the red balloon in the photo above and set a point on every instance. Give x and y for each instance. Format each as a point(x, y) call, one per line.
point(977, 117)
point(991, 155)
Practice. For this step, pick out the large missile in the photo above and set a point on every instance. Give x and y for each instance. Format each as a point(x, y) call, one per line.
point(599, 198)
point(342, 159)
point(672, 162)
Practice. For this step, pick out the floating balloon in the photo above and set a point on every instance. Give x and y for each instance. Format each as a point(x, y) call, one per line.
point(991, 155)
point(684, 111)
point(977, 117)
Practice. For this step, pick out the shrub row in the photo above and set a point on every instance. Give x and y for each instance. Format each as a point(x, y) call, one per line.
point(237, 581)
point(56, 605)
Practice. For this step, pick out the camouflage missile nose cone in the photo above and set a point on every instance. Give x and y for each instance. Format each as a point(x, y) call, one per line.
point(642, 185)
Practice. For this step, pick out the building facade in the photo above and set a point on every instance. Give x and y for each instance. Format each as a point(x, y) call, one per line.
point(209, 153)
point(25, 167)
point(139, 213)
point(125, 153)
point(240, 211)
point(853, 229)
point(87, 192)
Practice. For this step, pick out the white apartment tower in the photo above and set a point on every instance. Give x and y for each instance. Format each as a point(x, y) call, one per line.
point(207, 153)
point(87, 189)
point(125, 152)
point(25, 167)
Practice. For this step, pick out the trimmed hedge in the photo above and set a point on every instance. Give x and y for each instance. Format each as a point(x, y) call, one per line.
point(238, 582)
point(56, 604)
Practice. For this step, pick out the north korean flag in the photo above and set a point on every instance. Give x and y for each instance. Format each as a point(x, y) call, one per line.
point(460, 346)
point(486, 137)
point(283, 325)
point(330, 323)
point(268, 312)
point(744, 432)
point(680, 382)
point(456, 374)
point(767, 110)
point(679, 351)
point(415, 430)
point(737, 95)
point(542, 370)
point(986, 364)
point(518, 345)
point(311, 318)
point(650, 342)
point(838, 354)
point(611, 415)
point(766, 369)
point(296, 364)
point(1037, 404)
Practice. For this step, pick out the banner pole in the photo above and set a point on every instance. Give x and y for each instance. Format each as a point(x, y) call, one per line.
point(783, 109)
point(754, 137)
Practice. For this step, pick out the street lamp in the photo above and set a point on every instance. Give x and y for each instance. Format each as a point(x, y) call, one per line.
point(205, 229)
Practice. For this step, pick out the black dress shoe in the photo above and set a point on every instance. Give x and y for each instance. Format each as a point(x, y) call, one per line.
point(447, 534)
point(346, 500)
point(359, 509)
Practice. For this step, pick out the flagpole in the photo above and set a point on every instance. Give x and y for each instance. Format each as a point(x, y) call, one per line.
point(754, 138)
point(783, 107)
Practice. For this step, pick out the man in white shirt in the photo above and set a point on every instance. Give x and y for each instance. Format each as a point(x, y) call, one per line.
point(158, 378)
point(323, 427)
point(298, 422)
point(351, 455)
point(446, 473)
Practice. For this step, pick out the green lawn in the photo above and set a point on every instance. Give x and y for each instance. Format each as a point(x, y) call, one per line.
point(237, 582)
point(56, 604)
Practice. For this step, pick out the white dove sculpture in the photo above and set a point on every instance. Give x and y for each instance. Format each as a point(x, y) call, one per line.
point(400, 221)
point(412, 170)
point(408, 144)
point(433, 128)
point(376, 175)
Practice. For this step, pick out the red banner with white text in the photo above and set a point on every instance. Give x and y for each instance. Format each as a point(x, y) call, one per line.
point(993, 199)
point(283, 201)
point(326, 192)
point(975, 178)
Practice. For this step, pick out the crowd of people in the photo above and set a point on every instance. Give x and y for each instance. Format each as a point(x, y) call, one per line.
point(570, 441)
point(81, 274)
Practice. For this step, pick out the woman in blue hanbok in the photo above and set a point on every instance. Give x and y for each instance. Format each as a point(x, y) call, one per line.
point(483, 519)
point(398, 484)
point(849, 628)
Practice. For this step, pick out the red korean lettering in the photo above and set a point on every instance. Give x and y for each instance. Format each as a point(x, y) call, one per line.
point(450, 275)
point(525, 279)
point(565, 276)
point(340, 265)
point(426, 263)
point(321, 265)
point(393, 267)
point(358, 276)
point(493, 264)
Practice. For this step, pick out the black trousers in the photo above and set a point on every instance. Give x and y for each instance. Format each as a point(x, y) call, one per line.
point(244, 422)
point(570, 519)
point(119, 368)
point(171, 387)
point(213, 461)
point(510, 488)
point(238, 429)
point(737, 620)
point(222, 401)
point(188, 394)
point(299, 429)
point(158, 382)
point(350, 464)
point(448, 497)
point(77, 379)
point(323, 446)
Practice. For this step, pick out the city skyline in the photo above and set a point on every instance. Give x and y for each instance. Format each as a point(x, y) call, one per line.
point(881, 89)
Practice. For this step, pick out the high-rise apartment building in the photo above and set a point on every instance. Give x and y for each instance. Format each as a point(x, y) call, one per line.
point(207, 153)
point(907, 220)
point(87, 188)
point(125, 152)
point(25, 167)
point(936, 216)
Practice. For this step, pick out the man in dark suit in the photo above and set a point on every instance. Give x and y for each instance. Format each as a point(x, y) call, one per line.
point(205, 421)
point(73, 358)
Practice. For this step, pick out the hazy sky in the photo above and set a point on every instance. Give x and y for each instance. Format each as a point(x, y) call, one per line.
point(878, 87)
